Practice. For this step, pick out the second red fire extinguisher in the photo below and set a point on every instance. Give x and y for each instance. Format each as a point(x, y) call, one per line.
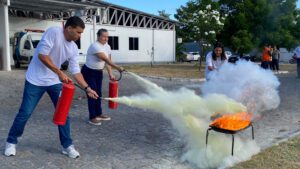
point(64, 103)
point(113, 92)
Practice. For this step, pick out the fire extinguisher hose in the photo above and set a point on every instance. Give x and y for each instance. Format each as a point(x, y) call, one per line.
point(120, 77)
point(77, 85)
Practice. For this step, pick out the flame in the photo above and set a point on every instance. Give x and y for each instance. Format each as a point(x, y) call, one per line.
point(233, 122)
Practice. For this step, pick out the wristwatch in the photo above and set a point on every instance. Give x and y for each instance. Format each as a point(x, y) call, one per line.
point(86, 87)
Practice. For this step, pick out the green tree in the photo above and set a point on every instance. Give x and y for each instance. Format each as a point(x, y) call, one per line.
point(251, 23)
point(184, 15)
point(201, 20)
point(245, 24)
point(163, 14)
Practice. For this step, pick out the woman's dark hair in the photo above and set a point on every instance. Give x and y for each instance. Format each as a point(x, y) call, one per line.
point(100, 31)
point(276, 46)
point(219, 45)
point(75, 21)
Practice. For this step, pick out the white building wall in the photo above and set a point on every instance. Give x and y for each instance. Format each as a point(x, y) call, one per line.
point(4, 39)
point(163, 43)
point(164, 46)
point(163, 40)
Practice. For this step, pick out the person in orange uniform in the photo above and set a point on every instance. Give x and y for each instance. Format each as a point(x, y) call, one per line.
point(266, 57)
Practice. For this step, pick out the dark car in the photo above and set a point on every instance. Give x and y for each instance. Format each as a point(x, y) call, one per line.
point(65, 65)
point(235, 57)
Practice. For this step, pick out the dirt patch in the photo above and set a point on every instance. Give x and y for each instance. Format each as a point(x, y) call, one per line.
point(182, 70)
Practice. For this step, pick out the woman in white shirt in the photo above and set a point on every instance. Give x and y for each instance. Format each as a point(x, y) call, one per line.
point(98, 54)
point(215, 59)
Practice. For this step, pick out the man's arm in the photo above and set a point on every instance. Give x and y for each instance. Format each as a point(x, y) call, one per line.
point(270, 52)
point(46, 60)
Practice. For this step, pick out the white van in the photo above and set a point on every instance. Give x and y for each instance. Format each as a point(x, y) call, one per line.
point(25, 43)
point(24, 46)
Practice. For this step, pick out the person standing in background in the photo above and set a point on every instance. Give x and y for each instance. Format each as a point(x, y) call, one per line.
point(215, 59)
point(275, 59)
point(266, 57)
point(297, 57)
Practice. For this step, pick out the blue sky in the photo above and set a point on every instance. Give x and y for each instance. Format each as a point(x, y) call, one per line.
point(152, 6)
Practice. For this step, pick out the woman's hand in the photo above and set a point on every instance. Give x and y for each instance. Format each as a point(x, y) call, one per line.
point(112, 77)
point(121, 69)
point(91, 93)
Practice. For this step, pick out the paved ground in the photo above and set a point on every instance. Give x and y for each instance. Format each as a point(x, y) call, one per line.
point(135, 138)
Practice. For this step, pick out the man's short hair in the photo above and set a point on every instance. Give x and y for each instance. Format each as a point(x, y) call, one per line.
point(75, 21)
point(100, 31)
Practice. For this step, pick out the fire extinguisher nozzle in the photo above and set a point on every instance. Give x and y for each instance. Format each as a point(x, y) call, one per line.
point(101, 98)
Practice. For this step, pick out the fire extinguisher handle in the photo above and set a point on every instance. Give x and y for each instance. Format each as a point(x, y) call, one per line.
point(120, 77)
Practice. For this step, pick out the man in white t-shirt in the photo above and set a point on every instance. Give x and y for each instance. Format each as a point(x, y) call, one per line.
point(215, 59)
point(44, 75)
point(98, 56)
point(297, 57)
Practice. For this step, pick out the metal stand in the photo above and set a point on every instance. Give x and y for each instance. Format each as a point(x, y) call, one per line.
point(227, 132)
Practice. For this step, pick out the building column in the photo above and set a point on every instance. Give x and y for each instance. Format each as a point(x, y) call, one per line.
point(174, 44)
point(94, 28)
point(4, 36)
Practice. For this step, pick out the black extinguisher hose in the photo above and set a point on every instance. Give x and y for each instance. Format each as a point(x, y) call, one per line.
point(120, 77)
point(77, 85)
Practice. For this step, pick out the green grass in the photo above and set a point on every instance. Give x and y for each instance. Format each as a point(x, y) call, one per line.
point(286, 155)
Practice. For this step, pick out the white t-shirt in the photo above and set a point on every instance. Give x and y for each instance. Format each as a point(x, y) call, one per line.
point(53, 44)
point(92, 60)
point(216, 64)
point(297, 52)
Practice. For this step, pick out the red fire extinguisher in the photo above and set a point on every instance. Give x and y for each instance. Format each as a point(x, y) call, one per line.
point(113, 92)
point(64, 103)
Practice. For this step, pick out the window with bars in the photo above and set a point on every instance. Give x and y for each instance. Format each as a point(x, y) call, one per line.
point(113, 42)
point(133, 43)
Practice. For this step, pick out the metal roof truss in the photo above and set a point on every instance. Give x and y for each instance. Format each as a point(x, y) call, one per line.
point(105, 14)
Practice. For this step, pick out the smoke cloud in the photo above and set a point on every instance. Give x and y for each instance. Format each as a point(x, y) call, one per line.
point(191, 114)
point(246, 83)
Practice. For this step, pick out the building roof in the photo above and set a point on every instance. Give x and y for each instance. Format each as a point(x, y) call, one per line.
point(66, 8)
point(106, 13)
point(133, 10)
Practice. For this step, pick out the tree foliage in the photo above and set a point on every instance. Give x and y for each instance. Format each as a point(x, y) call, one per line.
point(163, 14)
point(248, 24)
point(200, 20)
